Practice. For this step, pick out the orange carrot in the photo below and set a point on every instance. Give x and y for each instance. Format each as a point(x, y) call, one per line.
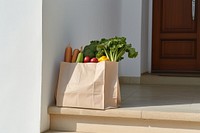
point(68, 54)
point(75, 55)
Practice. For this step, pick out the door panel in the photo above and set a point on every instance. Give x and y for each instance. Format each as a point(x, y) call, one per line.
point(178, 49)
point(175, 46)
point(177, 16)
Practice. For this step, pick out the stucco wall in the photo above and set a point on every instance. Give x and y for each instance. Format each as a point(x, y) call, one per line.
point(144, 36)
point(25, 62)
point(20, 65)
point(131, 24)
point(76, 22)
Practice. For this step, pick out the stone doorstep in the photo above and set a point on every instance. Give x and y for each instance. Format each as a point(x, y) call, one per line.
point(150, 79)
point(122, 120)
point(128, 113)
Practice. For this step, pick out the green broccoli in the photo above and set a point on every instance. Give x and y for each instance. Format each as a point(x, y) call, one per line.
point(90, 50)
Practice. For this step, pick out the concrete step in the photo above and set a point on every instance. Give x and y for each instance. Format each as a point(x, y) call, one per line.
point(145, 109)
point(123, 120)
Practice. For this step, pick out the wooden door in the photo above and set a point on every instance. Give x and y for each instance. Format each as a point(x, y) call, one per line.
point(176, 36)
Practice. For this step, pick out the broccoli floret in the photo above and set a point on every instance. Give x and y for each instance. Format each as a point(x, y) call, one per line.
point(91, 49)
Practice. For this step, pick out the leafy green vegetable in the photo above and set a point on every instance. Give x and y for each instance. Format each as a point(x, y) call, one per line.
point(115, 48)
point(91, 50)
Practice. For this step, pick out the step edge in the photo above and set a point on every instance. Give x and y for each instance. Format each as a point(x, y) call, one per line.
point(127, 114)
point(160, 80)
point(119, 113)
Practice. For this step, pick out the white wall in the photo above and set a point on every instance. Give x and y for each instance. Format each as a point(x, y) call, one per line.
point(131, 24)
point(150, 35)
point(20, 65)
point(144, 36)
point(64, 21)
point(77, 22)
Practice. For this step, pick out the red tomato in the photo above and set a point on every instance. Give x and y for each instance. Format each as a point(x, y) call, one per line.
point(94, 60)
point(86, 59)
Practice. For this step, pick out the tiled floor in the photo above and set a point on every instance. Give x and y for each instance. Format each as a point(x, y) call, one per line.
point(168, 98)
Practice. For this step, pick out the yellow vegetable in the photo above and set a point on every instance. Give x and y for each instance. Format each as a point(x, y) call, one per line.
point(103, 58)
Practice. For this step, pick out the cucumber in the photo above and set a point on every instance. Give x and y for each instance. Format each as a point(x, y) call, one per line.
point(80, 57)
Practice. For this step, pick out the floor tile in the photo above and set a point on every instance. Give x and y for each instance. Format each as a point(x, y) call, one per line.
point(161, 97)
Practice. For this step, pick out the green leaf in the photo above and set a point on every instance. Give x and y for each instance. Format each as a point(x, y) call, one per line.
point(113, 48)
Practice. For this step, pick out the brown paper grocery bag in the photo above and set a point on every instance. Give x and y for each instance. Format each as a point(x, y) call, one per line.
point(88, 85)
